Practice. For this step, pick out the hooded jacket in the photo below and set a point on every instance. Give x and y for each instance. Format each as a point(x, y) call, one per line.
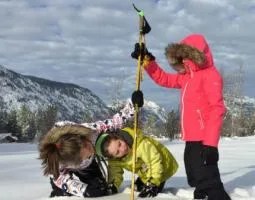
point(76, 179)
point(201, 99)
point(61, 129)
point(155, 164)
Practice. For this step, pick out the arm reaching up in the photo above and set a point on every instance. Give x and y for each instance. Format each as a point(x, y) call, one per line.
point(116, 122)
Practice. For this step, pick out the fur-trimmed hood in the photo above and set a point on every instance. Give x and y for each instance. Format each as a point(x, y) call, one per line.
point(57, 131)
point(194, 51)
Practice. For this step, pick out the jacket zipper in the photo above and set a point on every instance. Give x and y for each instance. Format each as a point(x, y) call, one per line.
point(182, 116)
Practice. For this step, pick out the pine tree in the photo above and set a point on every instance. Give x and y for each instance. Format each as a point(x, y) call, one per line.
point(87, 117)
point(12, 123)
point(150, 126)
point(24, 117)
point(3, 117)
point(172, 124)
point(45, 119)
point(31, 130)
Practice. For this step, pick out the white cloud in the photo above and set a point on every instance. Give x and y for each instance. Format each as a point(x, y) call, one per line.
point(89, 42)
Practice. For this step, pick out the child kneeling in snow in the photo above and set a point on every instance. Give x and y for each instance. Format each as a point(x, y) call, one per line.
point(68, 155)
point(154, 165)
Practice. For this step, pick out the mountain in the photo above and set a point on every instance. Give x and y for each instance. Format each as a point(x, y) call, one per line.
point(72, 101)
point(151, 109)
point(150, 112)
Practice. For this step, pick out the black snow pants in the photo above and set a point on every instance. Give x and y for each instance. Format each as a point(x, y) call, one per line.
point(205, 178)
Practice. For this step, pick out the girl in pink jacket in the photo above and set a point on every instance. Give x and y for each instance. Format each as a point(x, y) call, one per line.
point(202, 109)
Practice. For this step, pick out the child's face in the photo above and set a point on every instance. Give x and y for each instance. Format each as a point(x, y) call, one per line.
point(176, 65)
point(87, 150)
point(118, 148)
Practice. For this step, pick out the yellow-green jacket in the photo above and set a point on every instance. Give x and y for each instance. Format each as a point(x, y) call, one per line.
point(155, 164)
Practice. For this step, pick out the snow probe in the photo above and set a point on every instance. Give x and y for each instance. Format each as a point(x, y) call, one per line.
point(144, 28)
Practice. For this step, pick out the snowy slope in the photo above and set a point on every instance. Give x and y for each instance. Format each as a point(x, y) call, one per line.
point(72, 101)
point(21, 177)
point(149, 110)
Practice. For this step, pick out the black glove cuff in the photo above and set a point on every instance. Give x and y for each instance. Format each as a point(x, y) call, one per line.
point(151, 57)
point(149, 191)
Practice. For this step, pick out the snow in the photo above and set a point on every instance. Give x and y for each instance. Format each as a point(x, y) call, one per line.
point(21, 176)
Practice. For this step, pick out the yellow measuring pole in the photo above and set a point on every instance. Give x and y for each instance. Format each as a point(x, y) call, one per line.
point(138, 83)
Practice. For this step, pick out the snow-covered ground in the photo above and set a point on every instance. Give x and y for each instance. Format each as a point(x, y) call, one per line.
point(21, 176)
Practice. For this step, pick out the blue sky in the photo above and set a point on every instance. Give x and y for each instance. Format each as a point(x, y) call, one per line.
point(89, 42)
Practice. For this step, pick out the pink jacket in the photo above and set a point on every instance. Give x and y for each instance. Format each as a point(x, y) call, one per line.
point(202, 106)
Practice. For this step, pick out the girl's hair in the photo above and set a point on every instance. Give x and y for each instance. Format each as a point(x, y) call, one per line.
point(66, 150)
point(104, 140)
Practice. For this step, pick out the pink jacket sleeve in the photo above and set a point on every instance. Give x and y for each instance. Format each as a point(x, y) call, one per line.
point(163, 78)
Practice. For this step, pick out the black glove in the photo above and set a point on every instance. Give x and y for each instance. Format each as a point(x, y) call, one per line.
point(139, 185)
point(137, 98)
point(149, 191)
point(144, 52)
point(210, 155)
point(112, 189)
point(96, 188)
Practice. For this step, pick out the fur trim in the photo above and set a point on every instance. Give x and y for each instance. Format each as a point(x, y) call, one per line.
point(179, 52)
point(56, 132)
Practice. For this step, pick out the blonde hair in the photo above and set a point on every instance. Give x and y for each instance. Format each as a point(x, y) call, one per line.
point(62, 145)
